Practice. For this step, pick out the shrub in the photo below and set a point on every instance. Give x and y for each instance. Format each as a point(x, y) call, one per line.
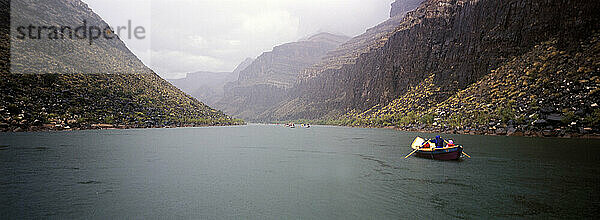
point(505, 112)
point(593, 119)
point(427, 119)
point(569, 117)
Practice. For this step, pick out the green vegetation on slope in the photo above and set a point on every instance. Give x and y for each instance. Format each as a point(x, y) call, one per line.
point(55, 101)
point(546, 91)
point(83, 86)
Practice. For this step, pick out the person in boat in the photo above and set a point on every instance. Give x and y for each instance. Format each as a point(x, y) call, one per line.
point(438, 141)
point(450, 143)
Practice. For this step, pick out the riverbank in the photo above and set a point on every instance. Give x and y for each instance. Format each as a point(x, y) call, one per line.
point(555, 133)
point(496, 131)
point(62, 127)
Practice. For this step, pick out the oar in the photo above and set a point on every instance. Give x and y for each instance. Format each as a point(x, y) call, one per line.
point(411, 153)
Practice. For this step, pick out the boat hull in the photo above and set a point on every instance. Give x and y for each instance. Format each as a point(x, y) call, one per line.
point(445, 154)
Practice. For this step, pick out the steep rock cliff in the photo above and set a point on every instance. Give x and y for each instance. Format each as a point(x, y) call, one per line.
point(457, 41)
point(400, 7)
point(265, 82)
point(548, 91)
point(373, 38)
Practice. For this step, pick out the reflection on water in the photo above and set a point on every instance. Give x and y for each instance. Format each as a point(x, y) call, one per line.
point(260, 171)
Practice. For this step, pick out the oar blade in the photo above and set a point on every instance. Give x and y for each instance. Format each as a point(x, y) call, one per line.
point(418, 142)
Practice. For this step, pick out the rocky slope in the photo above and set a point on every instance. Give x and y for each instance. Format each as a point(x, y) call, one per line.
point(548, 91)
point(4, 36)
point(44, 54)
point(456, 42)
point(265, 82)
point(207, 87)
point(72, 84)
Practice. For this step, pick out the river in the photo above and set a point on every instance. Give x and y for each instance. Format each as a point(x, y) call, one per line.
point(274, 172)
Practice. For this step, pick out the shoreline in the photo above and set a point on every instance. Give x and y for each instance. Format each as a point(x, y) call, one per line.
point(46, 128)
point(538, 134)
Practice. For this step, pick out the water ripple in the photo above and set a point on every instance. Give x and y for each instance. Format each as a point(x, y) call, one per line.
point(89, 182)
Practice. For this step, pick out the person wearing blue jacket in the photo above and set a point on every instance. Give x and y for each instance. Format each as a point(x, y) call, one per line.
point(439, 142)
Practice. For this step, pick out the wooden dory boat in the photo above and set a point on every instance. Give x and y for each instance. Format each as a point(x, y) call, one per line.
point(448, 152)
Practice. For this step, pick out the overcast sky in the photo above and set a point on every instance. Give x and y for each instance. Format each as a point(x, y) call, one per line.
point(200, 35)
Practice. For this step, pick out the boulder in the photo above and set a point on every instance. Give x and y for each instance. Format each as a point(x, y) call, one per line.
point(547, 110)
point(500, 131)
point(549, 133)
point(553, 118)
point(511, 131)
